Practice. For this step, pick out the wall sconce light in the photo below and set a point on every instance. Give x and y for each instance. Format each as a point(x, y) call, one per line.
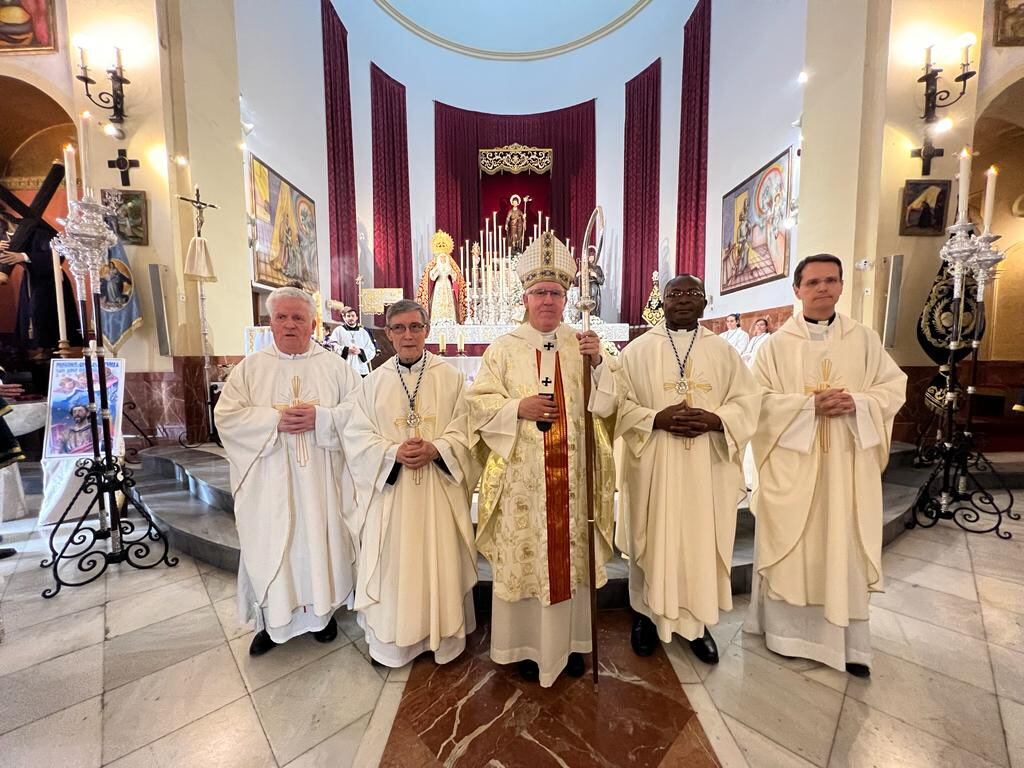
point(112, 99)
point(935, 99)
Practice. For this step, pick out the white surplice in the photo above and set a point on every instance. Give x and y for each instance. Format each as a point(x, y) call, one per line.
point(677, 510)
point(346, 336)
point(737, 338)
point(818, 504)
point(417, 563)
point(291, 492)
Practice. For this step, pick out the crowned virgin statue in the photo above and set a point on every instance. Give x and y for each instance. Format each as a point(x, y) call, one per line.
point(442, 288)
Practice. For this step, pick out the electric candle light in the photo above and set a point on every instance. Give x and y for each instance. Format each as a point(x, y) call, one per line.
point(964, 187)
point(70, 174)
point(84, 121)
point(990, 197)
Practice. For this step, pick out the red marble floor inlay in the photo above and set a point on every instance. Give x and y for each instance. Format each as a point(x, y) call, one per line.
point(473, 713)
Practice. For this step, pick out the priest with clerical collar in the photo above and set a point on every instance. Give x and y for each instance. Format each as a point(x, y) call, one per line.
point(526, 407)
point(354, 342)
point(406, 438)
point(831, 393)
point(687, 405)
point(277, 418)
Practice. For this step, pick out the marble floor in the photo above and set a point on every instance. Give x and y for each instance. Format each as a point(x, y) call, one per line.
point(149, 668)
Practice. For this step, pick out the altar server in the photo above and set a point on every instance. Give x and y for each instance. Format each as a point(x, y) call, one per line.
point(526, 405)
point(831, 394)
point(405, 434)
point(354, 342)
point(687, 406)
point(292, 487)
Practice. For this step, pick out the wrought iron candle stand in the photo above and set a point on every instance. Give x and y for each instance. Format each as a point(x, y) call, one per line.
point(964, 486)
point(84, 555)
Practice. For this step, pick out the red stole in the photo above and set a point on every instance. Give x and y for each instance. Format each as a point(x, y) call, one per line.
point(556, 485)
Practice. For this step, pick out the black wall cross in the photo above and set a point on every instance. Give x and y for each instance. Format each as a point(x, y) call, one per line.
point(123, 164)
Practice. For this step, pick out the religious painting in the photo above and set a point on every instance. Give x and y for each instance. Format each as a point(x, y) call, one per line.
point(68, 433)
point(1009, 23)
point(755, 238)
point(27, 26)
point(284, 238)
point(130, 211)
point(923, 211)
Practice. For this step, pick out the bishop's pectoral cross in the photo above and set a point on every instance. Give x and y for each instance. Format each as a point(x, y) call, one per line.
point(824, 382)
point(412, 422)
point(301, 447)
point(685, 387)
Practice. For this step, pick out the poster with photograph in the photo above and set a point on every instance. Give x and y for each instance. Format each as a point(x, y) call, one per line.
point(68, 435)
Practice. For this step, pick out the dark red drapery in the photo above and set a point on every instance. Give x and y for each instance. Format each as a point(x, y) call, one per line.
point(497, 189)
point(341, 183)
point(640, 190)
point(392, 224)
point(460, 133)
point(693, 142)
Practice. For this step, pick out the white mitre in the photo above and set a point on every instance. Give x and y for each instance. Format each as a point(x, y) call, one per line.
point(546, 259)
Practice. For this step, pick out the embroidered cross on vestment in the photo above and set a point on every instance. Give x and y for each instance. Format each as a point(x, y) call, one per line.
point(412, 422)
point(824, 381)
point(685, 387)
point(301, 447)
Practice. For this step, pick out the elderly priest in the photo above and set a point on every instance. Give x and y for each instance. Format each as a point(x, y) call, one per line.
point(831, 393)
point(277, 418)
point(405, 435)
point(526, 405)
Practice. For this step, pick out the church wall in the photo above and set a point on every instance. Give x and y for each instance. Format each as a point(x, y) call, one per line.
point(598, 70)
point(1003, 64)
point(757, 52)
point(49, 72)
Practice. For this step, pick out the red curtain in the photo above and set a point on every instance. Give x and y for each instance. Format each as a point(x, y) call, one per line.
point(392, 225)
point(497, 189)
point(341, 184)
point(460, 133)
point(640, 191)
point(693, 142)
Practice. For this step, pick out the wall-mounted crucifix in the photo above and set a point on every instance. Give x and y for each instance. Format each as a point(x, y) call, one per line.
point(123, 164)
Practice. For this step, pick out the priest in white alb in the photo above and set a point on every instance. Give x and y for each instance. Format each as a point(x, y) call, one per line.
point(277, 418)
point(526, 405)
point(687, 406)
point(406, 438)
point(831, 393)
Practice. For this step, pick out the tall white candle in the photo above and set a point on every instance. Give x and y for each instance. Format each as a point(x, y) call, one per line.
point(964, 187)
point(928, 58)
point(990, 197)
point(540, 222)
point(547, 223)
point(58, 281)
point(84, 121)
point(70, 174)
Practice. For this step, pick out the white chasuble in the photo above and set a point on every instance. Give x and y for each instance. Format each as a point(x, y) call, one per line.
point(417, 556)
point(677, 510)
point(291, 491)
point(532, 506)
point(818, 504)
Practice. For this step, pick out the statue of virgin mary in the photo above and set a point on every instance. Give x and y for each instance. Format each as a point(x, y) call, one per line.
point(442, 288)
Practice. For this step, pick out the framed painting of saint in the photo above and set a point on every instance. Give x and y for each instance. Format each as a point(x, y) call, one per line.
point(27, 26)
point(925, 203)
point(283, 236)
point(755, 238)
point(1009, 23)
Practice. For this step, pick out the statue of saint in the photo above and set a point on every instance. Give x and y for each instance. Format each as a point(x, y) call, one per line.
point(442, 288)
point(515, 226)
point(596, 281)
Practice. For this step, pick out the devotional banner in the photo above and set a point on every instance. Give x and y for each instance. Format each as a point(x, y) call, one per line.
point(68, 435)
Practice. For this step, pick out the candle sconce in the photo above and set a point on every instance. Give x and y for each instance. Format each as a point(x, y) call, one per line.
point(936, 99)
point(113, 99)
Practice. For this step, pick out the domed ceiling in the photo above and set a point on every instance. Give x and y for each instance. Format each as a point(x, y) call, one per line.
point(513, 31)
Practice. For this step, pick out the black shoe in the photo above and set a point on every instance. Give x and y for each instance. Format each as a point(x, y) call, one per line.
point(7, 552)
point(644, 637)
point(261, 643)
point(704, 648)
point(859, 670)
point(529, 671)
point(328, 633)
point(576, 666)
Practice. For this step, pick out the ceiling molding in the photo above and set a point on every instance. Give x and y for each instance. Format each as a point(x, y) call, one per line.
point(483, 53)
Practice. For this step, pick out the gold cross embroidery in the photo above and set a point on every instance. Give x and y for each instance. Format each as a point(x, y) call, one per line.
point(685, 387)
point(825, 381)
point(414, 431)
point(301, 448)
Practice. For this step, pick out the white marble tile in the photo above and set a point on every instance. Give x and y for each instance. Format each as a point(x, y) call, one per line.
point(1013, 720)
point(71, 738)
point(998, 558)
point(946, 708)
point(1001, 594)
point(399, 675)
point(925, 574)
point(149, 607)
point(868, 738)
point(302, 709)
point(230, 737)
point(943, 650)
point(258, 671)
point(153, 706)
point(125, 580)
point(761, 752)
point(26, 646)
point(951, 553)
point(227, 613)
point(814, 670)
point(220, 584)
point(940, 608)
point(337, 751)
point(1004, 628)
point(783, 705)
point(137, 654)
point(729, 624)
point(680, 661)
point(25, 606)
point(722, 740)
point(1008, 668)
point(38, 691)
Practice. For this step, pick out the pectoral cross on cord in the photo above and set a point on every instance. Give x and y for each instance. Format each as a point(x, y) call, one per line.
point(413, 420)
point(685, 387)
point(301, 447)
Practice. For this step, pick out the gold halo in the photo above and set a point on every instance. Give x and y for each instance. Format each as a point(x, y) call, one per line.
point(515, 200)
